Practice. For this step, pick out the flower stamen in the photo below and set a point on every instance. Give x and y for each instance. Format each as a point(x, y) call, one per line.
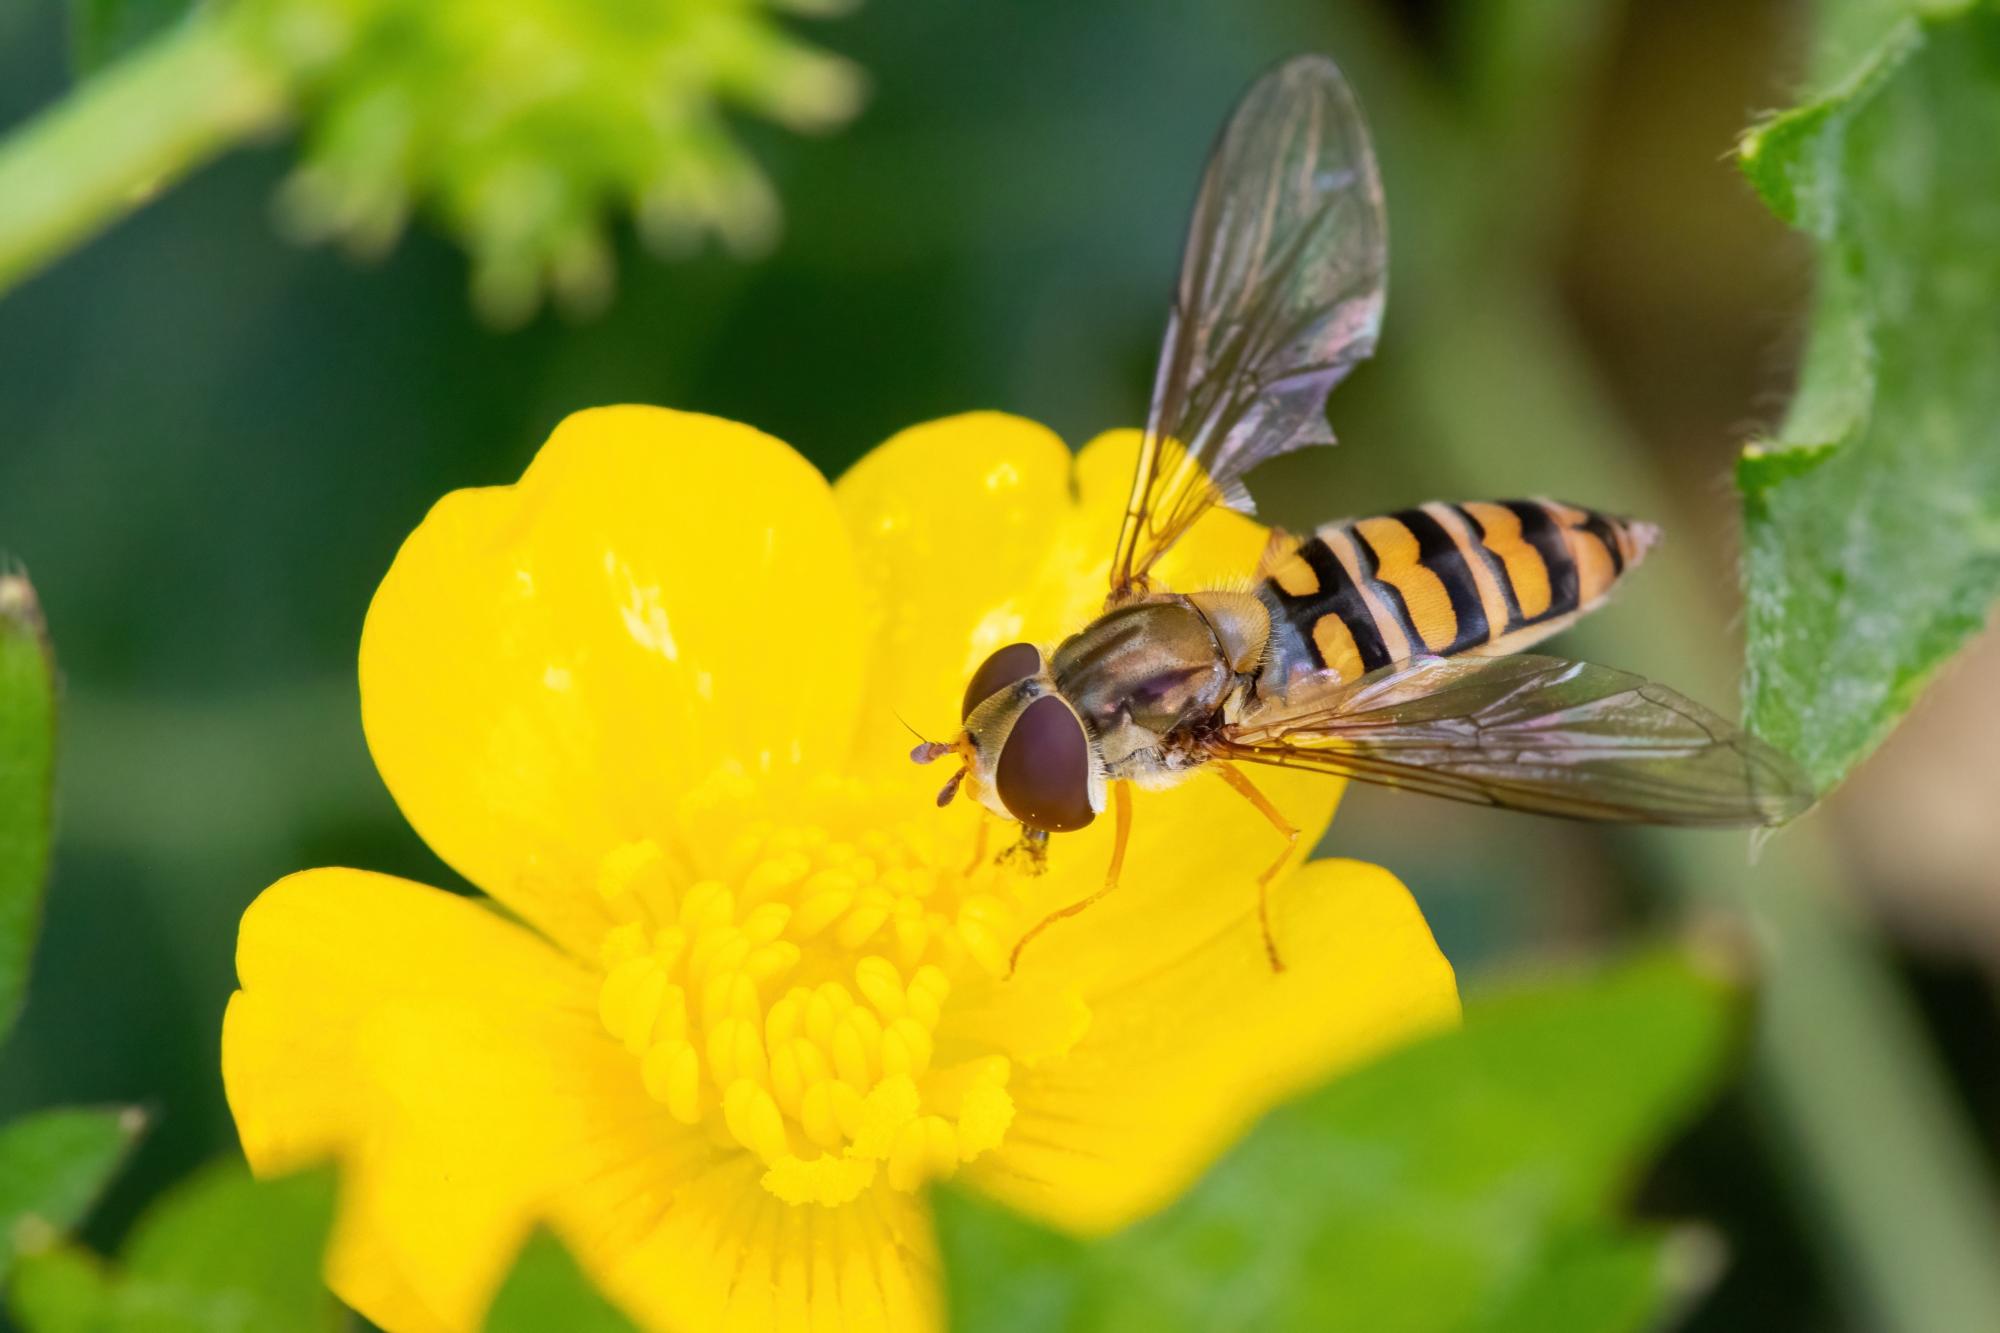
point(793, 1003)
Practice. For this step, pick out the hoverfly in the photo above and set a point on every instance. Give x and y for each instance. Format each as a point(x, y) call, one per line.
point(1385, 649)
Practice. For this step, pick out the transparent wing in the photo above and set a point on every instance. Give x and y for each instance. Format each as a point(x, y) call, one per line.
point(1280, 295)
point(1530, 733)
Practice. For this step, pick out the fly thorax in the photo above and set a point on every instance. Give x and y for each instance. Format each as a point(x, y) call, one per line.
point(1154, 665)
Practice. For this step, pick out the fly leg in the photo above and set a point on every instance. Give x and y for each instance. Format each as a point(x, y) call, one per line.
point(1248, 791)
point(1121, 805)
point(1030, 855)
point(979, 842)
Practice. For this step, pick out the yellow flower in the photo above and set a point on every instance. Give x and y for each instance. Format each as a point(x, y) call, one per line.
point(739, 989)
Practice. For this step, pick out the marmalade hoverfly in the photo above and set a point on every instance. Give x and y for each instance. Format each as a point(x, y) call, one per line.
point(1385, 649)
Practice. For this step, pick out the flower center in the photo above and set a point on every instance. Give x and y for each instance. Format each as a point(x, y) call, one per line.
point(820, 995)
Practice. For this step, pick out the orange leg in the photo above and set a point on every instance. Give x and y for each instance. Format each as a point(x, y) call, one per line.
point(1248, 791)
point(1121, 805)
point(979, 841)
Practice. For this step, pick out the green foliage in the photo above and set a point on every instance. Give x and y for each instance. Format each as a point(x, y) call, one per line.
point(53, 1165)
point(103, 30)
point(1467, 1182)
point(1596, 1280)
point(521, 125)
point(1873, 518)
point(27, 761)
point(221, 1254)
point(547, 1290)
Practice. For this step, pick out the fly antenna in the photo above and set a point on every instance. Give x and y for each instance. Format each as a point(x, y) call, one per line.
point(927, 750)
point(912, 730)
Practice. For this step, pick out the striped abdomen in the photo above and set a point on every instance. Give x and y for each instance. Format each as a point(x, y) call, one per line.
point(1485, 577)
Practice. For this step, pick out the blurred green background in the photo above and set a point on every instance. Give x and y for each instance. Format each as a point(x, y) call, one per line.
point(212, 441)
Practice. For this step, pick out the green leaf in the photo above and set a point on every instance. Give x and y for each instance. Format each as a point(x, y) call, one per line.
point(1467, 1182)
point(547, 1290)
point(64, 1290)
point(222, 1253)
point(53, 1165)
point(103, 30)
point(1599, 1279)
point(1872, 520)
point(27, 760)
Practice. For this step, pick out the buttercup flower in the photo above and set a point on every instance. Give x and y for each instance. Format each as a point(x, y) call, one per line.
point(740, 988)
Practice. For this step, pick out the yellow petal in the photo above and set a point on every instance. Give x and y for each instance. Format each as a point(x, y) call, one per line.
point(550, 668)
point(1182, 1056)
point(1190, 874)
point(976, 531)
point(952, 523)
point(454, 1064)
point(730, 1255)
point(1221, 550)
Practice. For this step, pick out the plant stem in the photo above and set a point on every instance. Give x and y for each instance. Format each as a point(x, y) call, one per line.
point(125, 134)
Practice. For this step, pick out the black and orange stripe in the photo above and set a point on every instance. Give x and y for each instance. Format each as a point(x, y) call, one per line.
point(1482, 577)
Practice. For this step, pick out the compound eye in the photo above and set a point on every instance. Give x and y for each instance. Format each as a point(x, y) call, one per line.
point(1010, 665)
point(1043, 776)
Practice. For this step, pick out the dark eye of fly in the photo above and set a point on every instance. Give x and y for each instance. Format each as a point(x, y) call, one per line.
point(1044, 771)
point(1015, 662)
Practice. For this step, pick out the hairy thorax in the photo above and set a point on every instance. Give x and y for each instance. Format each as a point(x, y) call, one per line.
point(1150, 677)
